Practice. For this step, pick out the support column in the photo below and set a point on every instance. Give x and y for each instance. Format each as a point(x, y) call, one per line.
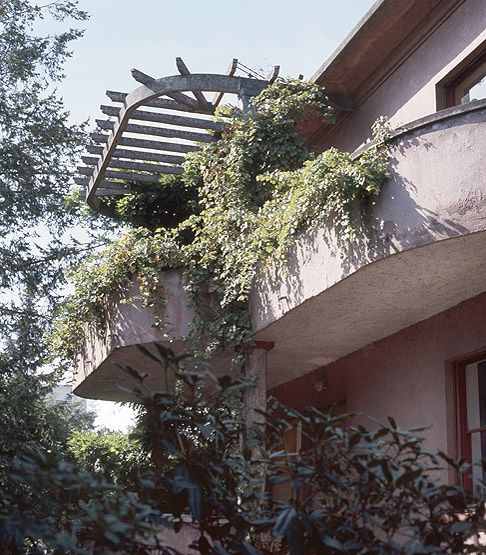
point(255, 398)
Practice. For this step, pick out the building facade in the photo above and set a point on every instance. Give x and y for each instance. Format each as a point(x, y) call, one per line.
point(397, 326)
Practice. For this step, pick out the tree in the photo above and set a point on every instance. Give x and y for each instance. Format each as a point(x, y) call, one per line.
point(38, 147)
point(115, 456)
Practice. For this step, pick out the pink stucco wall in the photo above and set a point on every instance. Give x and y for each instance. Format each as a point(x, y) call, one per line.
point(409, 92)
point(402, 375)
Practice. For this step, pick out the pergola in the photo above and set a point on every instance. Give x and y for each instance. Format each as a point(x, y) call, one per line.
point(127, 153)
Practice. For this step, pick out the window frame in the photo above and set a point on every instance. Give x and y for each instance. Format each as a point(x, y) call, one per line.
point(463, 433)
point(452, 86)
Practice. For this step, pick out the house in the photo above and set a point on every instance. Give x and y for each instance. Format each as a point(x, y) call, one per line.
point(397, 327)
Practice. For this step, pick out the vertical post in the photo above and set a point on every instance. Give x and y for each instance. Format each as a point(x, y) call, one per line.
point(245, 94)
point(255, 398)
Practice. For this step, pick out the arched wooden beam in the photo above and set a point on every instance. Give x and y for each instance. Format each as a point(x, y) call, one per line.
point(173, 86)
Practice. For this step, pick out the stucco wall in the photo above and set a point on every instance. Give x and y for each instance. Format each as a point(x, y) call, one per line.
point(409, 92)
point(403, 375)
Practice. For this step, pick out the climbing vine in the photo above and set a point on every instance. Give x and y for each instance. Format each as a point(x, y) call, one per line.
point(249, 195)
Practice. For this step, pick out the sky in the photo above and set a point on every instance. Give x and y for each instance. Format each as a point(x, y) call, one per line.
point(149, 34)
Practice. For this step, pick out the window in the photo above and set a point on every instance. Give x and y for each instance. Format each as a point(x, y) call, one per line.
point(472, 416)
point(469, 85)
point(292, 440)
point(294, 443)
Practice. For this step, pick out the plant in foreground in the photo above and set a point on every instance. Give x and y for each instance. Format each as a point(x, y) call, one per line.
point(350, 490)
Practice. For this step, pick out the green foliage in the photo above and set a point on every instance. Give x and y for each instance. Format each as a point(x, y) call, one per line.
point(38, 150)
point(38, 147)
point(115, 456)
point(258, 188)
point(352, 490)
point(140, 254)
point(69, 511)
point(29, 414)
point(166, 204)
point(355, 490)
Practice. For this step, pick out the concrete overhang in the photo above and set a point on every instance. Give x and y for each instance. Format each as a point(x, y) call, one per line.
point(383, 28)
point(421, 251)
point(378, 45)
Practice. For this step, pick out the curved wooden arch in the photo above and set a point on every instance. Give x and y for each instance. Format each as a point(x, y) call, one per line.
point(152, 157)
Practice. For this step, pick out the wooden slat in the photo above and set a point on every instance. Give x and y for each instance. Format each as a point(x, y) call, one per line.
point(116, 96)
point(145, 177)
point(94, 149)
point(159, 131)
point(201, 99)
point(135, 155)
point(274, 74)
point(99, 137)
point(149, 156)
point(145, 143)
point(165, 103)
point(107, 188)
point(141, 166)
point(130, 176)
point(169, 119)
point(84, 170)
point(90, 160)
point(157, 145)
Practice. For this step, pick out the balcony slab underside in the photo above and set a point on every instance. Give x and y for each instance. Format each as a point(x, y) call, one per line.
point(422, 250)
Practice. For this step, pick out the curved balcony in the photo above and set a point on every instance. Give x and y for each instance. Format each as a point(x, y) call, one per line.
point(422, 251)
point(129, 324)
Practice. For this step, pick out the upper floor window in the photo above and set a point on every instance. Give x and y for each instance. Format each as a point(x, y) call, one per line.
point(469, 85)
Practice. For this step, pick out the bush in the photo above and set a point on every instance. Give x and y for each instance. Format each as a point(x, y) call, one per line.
point(351, 490)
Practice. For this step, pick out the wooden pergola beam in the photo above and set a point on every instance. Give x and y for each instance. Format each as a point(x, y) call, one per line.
point(164, 103)
point(145, 177)
point(141, 166)
point(159, 131)
point(168, 119)
point(274, 74)
point(126, 164)
point(173, 87)
point(218, 97)
point(133, 155)
point(201, 99)
point(146, 143)
point(179, 97)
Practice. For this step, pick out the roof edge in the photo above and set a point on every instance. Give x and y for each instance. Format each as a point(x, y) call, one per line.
point(349, 39)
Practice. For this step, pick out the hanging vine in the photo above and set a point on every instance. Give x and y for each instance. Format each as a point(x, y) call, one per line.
point(246, 198)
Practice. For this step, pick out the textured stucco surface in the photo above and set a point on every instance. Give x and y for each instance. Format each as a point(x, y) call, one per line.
point(402, 375)
point(129, 324)
point(422, 250)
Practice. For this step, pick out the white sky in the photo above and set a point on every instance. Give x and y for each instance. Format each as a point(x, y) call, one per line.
point(149, 34)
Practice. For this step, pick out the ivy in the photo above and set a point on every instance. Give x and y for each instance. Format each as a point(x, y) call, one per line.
point(252, 193)
point(140, 252)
